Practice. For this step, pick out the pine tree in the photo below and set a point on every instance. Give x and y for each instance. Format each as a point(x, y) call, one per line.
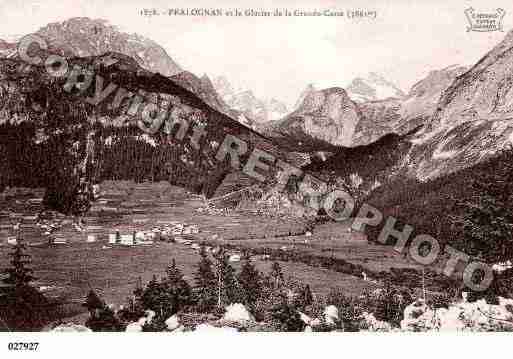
point(306, 297)
point(134, 308)
point(249, 282)
point(277, 275)
point(174, 275)
point(138, 291)
point(93, 303)
point(104, 321)
point(102, 318)
point(19, 274)
point(286, 316)
point(228, 290)
point(22, 306)
point(151, 295)
point(177, 292)
point(488, 214)
point(206, 284)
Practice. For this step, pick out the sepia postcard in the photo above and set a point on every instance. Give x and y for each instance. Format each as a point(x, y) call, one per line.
point(230, 167)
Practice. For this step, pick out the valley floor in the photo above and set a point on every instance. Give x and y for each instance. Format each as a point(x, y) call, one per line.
point(67, 271)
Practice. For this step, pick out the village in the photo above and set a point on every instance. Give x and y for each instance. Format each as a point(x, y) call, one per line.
point(133, 231)
point(48, 228)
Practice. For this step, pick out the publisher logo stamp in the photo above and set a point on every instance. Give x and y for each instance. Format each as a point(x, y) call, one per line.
point(485, 21)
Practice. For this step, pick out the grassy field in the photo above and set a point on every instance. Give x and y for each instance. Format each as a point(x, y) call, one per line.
point(70, 270)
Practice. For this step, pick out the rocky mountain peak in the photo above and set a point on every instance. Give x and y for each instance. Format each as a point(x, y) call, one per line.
point(310, 88)
point(373, 87)
point(93, 37)
point(327, 117)
point(223, 86)
point(485, 92)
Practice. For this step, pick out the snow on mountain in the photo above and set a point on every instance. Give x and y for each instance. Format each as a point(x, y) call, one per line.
point(356, 124)
point(400, 116)
point(253, 109)
point(223, 86)
point(465, 116)
point(276, 110)
point(372, 87)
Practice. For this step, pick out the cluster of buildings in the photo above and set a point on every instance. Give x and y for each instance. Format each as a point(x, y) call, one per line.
point(170, 232)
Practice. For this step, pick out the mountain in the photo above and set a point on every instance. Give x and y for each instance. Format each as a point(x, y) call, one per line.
point(92, 37)
point(325, 119)
point(422, 177)
point(361, 123)
point(453, 119)
point(204, 89)
point(250, 106)
point(253, 111)
point(59, 135)
point(371, 88)
point(7, 49)
point(403, 115)
point(223, 87)
point(472, 120)
point(310, 88)
point(89, 37)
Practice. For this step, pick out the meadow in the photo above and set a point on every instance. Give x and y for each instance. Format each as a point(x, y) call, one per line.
point(66, 272)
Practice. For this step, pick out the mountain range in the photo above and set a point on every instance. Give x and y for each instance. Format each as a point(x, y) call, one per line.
point(92, 37)
point(450, 121)
point(256, 111)
point(372, 87)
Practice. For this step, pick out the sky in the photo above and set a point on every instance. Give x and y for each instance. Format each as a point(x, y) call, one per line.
point(277, 57)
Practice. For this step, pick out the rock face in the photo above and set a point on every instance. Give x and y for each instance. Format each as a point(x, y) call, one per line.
point(252, 110)
point(421, 102)
point(238, 313)
point(401, 115)
point(172, 322)
point(310, 88)
point(472, 118)
point(378, 118)
point(374, 107)
point(371, 88)
point(204, 89)
point(464, 113)
point(331, 315)
point(223, 87)
point(485, 92)
point(462, 316)
point(327, 116)
point(91, 37)
point(249, 105)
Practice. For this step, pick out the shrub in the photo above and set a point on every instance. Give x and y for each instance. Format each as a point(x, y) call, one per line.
point(349, 310)
point(387, 304)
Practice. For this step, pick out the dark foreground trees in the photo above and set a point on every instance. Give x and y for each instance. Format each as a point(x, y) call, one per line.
point(487, 219)
point(101, 317)
point(22, 307)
